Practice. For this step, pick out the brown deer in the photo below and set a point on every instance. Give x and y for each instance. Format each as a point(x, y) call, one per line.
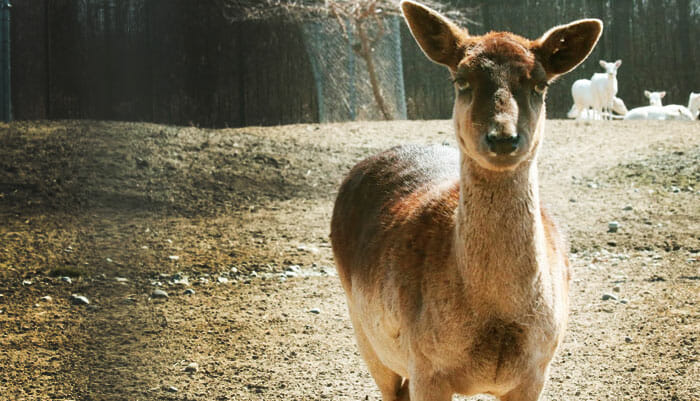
point(456, 279)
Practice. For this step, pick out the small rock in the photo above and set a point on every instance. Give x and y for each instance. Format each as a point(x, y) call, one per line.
point(234, 270)
point(253, 274)
point(628, 339)
point(181, 281)
point(291, 274)
point(26, 282)
point(613, 226)
point(607, 296)
point(193, 367)
point(222, 280)
point(47, 298)
point(159, 294)
point(174, 257)
point(294, 268)
point(79, 300)
point(109, 260)
point(67, 279)
point(592, 185)
point(170, 389)
point(189, 291)
point(627, 208)
point(315, 311)
point(310, 249)
point(616, 288)
point(572, 200)
point(624, 301)
point(121, 279)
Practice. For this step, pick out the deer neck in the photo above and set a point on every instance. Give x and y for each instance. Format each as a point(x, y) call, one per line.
point(500, 245)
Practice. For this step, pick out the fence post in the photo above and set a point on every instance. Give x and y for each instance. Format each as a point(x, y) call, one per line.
point(5, 95)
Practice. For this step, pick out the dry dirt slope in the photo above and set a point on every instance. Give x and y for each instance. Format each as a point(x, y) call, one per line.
point(228, 212)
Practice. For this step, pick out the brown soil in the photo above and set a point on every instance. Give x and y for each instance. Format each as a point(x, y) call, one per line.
point(154, 204)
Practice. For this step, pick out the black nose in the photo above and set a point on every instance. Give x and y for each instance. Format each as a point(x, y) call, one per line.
point(502, 144)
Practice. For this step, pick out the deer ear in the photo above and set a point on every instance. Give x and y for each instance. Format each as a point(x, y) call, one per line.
point(437, 36)
point(564, 47)
point(647, 93)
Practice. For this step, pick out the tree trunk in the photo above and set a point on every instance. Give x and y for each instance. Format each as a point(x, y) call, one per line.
point(365, 52)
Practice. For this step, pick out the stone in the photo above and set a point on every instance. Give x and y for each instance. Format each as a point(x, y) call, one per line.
point(159, 294)
point(79, 300)
point(294, 268)
point(607, 296)
point(613, 226)
point(192, 367)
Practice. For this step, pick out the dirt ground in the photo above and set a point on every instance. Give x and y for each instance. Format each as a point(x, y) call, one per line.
point(241, 216)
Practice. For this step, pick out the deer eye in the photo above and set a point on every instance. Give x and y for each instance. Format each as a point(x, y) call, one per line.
point(540, 88)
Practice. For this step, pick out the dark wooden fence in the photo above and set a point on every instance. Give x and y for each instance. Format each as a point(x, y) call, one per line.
point(182, 62)
point(171, 61)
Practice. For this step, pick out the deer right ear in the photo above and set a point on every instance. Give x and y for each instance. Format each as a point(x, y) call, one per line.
point(437, 36)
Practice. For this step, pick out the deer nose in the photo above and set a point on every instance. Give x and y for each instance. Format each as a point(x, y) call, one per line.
point(502, 144)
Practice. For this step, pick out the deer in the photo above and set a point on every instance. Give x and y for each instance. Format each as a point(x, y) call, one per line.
point(456, 278)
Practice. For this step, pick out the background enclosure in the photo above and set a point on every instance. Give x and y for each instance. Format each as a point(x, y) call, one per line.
point(185, 62)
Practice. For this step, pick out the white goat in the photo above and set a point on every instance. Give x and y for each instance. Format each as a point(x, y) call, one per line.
point(656, 111)
point(694, 105)
point(619, 109)
point(604, 85)
point(597, 93)
point(655, 97)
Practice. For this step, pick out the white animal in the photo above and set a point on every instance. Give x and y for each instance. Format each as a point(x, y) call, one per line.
point(604, 85)
point(655, 97)
point(656, 111)
point(694, 105)
point(619, 109)
point(670, 112)
point(596, 93)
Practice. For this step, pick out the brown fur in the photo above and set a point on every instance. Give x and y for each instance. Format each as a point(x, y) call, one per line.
point(456, 278)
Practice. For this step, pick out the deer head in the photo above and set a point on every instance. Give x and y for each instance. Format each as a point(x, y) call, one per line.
point(500, 80)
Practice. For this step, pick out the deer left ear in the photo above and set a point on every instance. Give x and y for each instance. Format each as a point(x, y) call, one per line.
point(564, 47)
